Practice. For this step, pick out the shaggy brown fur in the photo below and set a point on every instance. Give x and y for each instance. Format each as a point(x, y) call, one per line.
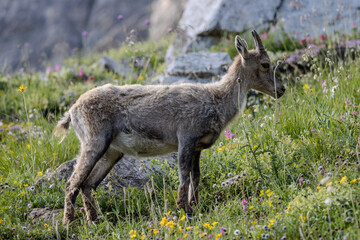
point(112, 121)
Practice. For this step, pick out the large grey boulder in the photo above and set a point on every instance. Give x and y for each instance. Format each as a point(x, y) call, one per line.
point(196, 67)
point(204, 21)
point(129, 171)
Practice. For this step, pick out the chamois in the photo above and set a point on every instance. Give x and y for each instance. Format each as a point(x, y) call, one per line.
point(112, 121)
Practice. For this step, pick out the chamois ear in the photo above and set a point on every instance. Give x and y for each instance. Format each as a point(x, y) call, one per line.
point(241, 46)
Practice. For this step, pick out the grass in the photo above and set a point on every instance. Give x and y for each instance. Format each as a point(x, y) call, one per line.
point(297, 158)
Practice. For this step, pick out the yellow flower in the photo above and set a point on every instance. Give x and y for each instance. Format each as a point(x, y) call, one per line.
point(50, 227)
point(343, 179)
point(1, 221)
point(188, 228)
point(180, 229)
point(163, 221)
point(218, 236)
point(171, 224)
point(255, 147)
point(269, 194)
point(255, 136)
point(302, 218)
point(11, 152)
point(318, 187)
point(45, 225)
point(185, 235)
point(168, 213)
point(261, 193)
point(134, 235)
point(251, 207)
point(28, 146)
point(329, 183)
point(353, 181)
point(203, 234)
point(131, 231)
point(40, 174)
point(155, 231)
point(297, 166)
point(272, 220)
point(142, 237)
point(26, 185)
point(306, 86)
point(244, 156)
point(206, 225)
point(15, 182)
point(214, 223)
point(22, 88)
point(288, 208)
point(182, 218)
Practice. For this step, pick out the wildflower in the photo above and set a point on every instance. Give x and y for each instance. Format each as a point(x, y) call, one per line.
point(188, 228)
point(206, 225)
point(236, 232)
point(343, 179)
point(283, 237)
point(81, 72)
point(84, 34)
point(168, 213)
point(163, 221)
point(218, 236)
point(302, 218)
point(348, 219)
point(354, 113)
point(301, 180)
point(322, 38)
point(119, 17)
point(32, 188)
point(318, 187)
point(329, 174)
point(26, 185)
point(353, 181)
point(222, 230)
point(22, 89)
point(185, 235)
point(45, 225)
point(214, 185)
point(171, 224)
point(320, 168)
point(23, 228)
point(265, 236)
point(155, 231)
point(134, 235)
point(214, 223)
point(147, 21)
point(255, 147)
point(203, 234)
point(284, 228)
point(229, 174)
point(306, 88)
point(57, 67)
point(40, 174)
point(264, 35)
point(180, 229)
point(170, 29)
point(265, 227)
point(182, 218)
point(1, 221)
point(313, 129)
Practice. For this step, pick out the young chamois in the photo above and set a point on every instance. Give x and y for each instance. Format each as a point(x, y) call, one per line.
point(112, 121)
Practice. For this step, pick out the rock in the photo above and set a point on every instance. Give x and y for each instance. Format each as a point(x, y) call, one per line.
point(29, 37)
point(201, 67)
point(204, 21)
point(129, 171)
point(165, 16)
point(47, 214)
point(109, 64)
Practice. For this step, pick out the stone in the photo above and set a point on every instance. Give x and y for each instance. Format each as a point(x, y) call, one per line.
point(196, 67)
point(129, 171)
point(106, 63)
point(47, 214)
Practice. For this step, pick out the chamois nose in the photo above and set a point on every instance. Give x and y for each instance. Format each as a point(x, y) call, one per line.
point(283, 89)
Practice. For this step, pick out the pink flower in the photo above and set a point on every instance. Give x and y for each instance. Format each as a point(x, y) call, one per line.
point(302, 41)
point(243, 203)
point(48, 69)
point(322, 38)
point(57, 67)
point(342, 117)
point(354, 113)
point(301, 180)
point(119, 17)
point(265, 35)
point(170, 29)
point(280, 113)
point(347, 101)
point(84, 34)
point(353, 24)
point(147, 21)
point(81, 72)
point(313, 129)
point(222, 230)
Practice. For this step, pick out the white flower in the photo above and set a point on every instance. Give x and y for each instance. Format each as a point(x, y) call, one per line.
point(236, 232)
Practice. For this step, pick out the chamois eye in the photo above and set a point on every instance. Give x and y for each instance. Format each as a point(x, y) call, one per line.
point(265, 65)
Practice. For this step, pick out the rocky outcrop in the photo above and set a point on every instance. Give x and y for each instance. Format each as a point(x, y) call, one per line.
point(129, 171)
point(38, 32)
point(204, 21)
point(202, 67)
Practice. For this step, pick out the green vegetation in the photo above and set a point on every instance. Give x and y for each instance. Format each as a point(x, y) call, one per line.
point(297, 157)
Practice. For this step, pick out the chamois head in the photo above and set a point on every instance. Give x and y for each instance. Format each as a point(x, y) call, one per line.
point(257, 69)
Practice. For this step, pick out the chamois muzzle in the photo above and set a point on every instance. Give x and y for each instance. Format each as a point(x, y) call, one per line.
point(280, 92)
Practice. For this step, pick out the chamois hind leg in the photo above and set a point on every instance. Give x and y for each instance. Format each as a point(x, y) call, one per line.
point(185, 152)
point(91, 152)
point(195, 179)
point(99, 172)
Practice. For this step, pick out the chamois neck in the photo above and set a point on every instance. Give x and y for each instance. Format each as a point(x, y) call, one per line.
point(231, 91)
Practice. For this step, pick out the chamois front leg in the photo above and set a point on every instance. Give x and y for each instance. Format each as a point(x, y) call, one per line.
point(195, 179)
point(185, 152)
